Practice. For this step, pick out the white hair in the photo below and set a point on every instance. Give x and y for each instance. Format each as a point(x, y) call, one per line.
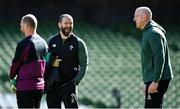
point(146, 11)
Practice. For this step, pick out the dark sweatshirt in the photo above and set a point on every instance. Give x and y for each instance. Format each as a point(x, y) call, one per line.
point(155, 57)
point(74, 56)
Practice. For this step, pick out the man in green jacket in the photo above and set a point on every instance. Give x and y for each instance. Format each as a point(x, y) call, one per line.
point(67, 63)
point(156, 65)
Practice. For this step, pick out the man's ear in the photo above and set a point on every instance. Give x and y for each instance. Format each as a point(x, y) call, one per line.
point(59, 24)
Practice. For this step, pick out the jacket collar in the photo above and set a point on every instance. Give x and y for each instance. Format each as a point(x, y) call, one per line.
point(148, 25)
point(152, 23)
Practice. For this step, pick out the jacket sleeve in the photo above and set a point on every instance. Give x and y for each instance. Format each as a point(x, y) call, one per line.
point(16, 63)
point(157, 47)
point(83, 61)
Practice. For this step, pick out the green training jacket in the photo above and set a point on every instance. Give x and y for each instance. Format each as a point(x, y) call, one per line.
point(156, 64)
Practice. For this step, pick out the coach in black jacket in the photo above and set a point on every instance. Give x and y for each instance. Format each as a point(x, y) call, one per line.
point(66, 65)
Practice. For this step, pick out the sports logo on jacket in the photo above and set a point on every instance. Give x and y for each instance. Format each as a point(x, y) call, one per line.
point(71, 47)
point(53, 45)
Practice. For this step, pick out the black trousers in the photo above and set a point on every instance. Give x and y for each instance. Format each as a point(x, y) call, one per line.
point(155, 100)
point(66, 94)
point(29, 99)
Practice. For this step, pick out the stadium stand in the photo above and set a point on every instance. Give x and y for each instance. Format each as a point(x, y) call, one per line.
point(114, 63)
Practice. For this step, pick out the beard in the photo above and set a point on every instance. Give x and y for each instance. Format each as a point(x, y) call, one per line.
point(66, 31)
point(138, 26)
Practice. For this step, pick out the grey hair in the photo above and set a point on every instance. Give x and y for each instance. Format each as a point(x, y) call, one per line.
point(146, 11)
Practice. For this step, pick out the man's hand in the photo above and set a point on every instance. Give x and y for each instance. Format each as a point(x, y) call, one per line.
point(13, 85)
point(153, 88)
point(13, 88)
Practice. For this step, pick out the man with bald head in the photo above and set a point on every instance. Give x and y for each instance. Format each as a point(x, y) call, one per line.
point(66, 66)
point(155, 59)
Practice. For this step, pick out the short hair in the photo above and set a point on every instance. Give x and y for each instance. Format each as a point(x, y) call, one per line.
point(64, 15)
point(30, 19)
point(147, 11)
